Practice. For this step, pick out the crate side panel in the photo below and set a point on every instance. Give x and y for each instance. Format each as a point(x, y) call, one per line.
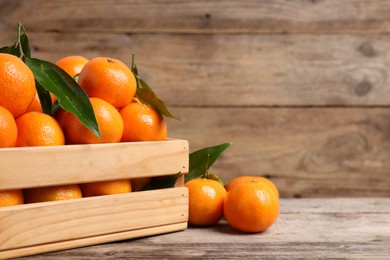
point(51, 247)
point(50, 222)
point(46, 166)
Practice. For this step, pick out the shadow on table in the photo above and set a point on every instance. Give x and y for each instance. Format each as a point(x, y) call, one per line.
point(223, 227)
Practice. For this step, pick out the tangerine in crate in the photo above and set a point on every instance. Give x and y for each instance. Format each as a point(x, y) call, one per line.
point(57, 225)
point(79, 194)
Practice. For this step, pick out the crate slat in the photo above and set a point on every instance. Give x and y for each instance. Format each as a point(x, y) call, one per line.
point(92, 240)
point(45, 166)
point(45, 223)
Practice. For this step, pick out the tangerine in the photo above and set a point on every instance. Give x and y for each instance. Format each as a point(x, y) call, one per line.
point(8, 129)
point(52, 193)
point(17, 84)
point(251, 206)
point(142, 123)
point(105, 188)
point(11, 197)
point(109, 121)
point(249, 179)
point(38, 129)
point(108, 79)
point(72, 64)
point(36, 103)
point(206, 198)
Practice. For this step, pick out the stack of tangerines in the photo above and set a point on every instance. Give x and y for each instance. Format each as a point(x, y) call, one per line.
point(249, 203)
point(111, 87)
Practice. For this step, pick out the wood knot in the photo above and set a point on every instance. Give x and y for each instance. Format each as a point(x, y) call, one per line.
point(111, 253)
point(206, 20)
point(336, 153)
point(366, 49)
point(363, 88)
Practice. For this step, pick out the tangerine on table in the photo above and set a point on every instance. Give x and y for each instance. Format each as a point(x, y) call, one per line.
point(8, 129)
point(11, 197)
point(105, 188)
point(17, 84)
point(108, 79)
point(251, 206)
point(142, 123)
point(72, 64)
point(249, 179)
point(38, 129)
point(109, 121)
point(206, 198)
point(52, 193)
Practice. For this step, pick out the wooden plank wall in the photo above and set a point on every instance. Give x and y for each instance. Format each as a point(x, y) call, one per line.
point(300, 87)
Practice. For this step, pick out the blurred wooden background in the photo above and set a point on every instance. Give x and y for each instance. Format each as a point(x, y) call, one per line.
point(300, 87)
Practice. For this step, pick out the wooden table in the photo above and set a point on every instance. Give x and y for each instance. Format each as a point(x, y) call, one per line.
point(306, 228)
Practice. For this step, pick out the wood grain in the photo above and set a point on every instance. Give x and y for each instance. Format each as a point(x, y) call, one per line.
point(79, 219)
point(241, 70)
point(47, 166)
point(300, 87)
point(306, 228)
point(228, 17)
point(68, 244)
point(314, 152)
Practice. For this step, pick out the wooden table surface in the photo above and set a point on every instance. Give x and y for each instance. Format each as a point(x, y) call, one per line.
point(306, 228)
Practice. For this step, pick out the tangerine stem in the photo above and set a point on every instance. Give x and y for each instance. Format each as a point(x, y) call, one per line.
point(206, 173)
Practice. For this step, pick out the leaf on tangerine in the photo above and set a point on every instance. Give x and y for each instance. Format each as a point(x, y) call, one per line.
point(200, 161)
point(71, 97)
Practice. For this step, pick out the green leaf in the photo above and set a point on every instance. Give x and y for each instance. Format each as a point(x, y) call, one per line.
point(200, 161)
point(146, 94)
point(216, 178)
point(10, 50)
point(134, 69)
point(163, 182)
point(23, 41)
point(44, 98)
point(55, 107)
point(70, 95)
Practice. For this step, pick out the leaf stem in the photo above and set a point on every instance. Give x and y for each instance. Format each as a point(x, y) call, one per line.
point(132, 61)
point(206, 173)
point(18, 41)
point(134, 69)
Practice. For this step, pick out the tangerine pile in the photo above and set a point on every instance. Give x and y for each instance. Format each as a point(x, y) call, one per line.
point(111, 88)
point(249, 203)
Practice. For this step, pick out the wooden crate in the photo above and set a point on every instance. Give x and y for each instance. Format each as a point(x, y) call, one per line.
point(49, 226)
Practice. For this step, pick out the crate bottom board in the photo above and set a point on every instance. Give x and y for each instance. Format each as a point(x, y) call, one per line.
point(52, 247)
point(50, 226)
